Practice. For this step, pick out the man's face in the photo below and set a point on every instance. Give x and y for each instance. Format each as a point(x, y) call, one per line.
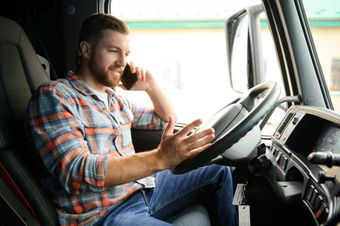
point(108, 59)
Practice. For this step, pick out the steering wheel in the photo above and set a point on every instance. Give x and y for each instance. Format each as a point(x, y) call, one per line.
point(235, 123)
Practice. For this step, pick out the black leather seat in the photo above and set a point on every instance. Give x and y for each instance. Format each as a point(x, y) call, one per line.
point(20, 74)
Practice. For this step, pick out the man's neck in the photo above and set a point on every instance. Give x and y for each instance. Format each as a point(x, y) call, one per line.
point(85, 75)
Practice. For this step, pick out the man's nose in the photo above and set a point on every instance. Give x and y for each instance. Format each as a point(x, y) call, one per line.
point(122, 60)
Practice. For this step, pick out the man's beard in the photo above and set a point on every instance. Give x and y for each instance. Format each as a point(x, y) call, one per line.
point(101, 76)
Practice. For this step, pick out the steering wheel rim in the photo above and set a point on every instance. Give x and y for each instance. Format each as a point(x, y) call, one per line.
point(256, 102)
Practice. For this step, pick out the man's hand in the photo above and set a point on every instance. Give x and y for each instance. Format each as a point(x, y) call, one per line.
point(174, 148)
point(145, 78)
point(146, 82)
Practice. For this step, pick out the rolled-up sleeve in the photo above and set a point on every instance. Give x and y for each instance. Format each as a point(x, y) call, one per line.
point(58, 135)
point(144, 117)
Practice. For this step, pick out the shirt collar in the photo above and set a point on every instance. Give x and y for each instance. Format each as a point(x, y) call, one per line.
point(82, 87)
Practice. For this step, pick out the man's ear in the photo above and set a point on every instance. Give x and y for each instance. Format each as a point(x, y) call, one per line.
point(85, 49)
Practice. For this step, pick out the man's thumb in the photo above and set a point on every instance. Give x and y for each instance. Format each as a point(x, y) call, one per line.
point(170, 126)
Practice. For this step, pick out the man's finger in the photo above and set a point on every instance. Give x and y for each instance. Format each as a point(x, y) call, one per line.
point(199, 135)
point(169, 127)
point(201, 142)
point(196, 151)
point(188, 128)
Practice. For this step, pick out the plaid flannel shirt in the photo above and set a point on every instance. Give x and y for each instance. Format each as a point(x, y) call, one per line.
point(75, 135)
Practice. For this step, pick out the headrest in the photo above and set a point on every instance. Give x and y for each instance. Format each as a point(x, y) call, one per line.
point(20, 74)
point(12, 34)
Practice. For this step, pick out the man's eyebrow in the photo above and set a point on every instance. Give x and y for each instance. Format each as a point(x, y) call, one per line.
point(112, 46)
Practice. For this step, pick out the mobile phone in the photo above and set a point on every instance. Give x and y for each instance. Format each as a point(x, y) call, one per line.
point(128, 79)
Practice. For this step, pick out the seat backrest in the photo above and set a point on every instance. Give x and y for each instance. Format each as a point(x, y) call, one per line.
point(20, 74)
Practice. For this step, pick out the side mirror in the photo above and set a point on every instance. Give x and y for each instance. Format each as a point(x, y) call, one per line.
point(244, 50)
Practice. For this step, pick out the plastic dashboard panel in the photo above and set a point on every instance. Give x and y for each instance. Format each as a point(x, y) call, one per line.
point(302, 131)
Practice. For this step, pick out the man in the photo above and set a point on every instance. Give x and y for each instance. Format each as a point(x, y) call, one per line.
point(81, 128)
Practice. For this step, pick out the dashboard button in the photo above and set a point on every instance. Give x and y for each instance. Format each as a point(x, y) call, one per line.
point(295, 120)
point(310, 193)
point(322, 213)
point(317, 202)
point(283, 162)
point(313, 198)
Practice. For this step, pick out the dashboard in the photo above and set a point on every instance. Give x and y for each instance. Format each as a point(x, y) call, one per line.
point(303, 132)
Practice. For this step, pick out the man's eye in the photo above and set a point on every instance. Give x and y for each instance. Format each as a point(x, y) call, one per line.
point(113, 50)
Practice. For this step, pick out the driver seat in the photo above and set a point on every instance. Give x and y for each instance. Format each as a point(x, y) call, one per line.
point(20, 74)
point(23, 200)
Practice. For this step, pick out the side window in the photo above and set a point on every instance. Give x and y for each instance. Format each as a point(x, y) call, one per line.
point(271, 67)
point(272, 72)
point(324, 22)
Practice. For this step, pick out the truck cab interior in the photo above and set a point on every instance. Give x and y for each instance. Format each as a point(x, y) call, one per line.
point(275, 105)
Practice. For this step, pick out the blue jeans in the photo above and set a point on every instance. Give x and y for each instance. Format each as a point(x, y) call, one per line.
point(211, 185)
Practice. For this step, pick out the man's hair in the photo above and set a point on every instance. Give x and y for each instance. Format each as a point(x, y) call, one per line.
point(92, 27)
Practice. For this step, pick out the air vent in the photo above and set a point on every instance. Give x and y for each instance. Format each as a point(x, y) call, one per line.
point(283, 125)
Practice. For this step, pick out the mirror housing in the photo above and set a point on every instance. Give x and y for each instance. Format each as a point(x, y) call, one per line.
point(244, 50)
